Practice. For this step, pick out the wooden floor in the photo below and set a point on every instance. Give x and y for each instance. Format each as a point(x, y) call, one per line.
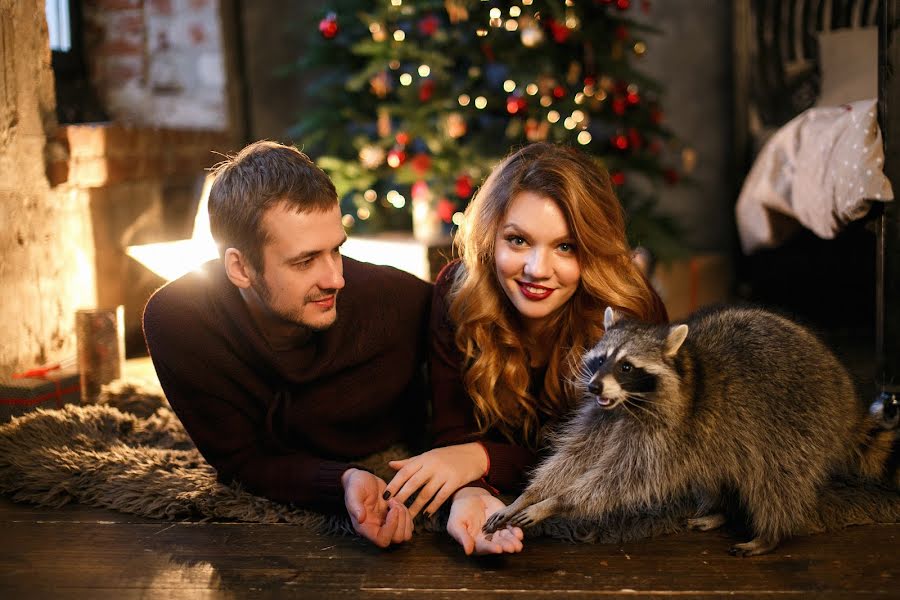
point(81, 552)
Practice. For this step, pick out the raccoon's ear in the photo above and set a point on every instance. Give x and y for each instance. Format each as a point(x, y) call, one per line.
point(675, 339)
point(609, 317)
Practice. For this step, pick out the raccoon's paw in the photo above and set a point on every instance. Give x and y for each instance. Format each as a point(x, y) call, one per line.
point(707, 523)
point(754, 547)
point(498, 520)
point(534, 514)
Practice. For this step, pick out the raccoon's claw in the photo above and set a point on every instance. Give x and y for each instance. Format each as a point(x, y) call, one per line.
point(495, 522)
point(754, 547)
point(522, 520)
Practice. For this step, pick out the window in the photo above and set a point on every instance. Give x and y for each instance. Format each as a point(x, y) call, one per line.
point(59, 24)
point(76, 100)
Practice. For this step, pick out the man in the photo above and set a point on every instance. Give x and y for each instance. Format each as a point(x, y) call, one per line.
point(285, 361)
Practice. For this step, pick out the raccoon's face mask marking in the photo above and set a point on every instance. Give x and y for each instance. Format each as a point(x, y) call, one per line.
point(613, 377)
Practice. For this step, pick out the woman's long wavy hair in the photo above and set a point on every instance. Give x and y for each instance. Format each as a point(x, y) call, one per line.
point(489, 331)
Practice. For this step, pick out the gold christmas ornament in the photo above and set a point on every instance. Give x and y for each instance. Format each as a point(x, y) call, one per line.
point(536, 131)
point(530, 32)
point(384, 122)
point(456, 125)
point(371, 156)
point(380, 84)
point(378, 31)
point(456, 11)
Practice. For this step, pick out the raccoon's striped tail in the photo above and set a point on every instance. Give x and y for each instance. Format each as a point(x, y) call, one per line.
point(878, 452)
point(871, 493)
point(856, 501)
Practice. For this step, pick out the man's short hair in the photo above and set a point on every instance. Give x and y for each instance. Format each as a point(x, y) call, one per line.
point(260, 176)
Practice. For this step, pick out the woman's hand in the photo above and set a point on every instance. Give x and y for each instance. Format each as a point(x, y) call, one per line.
point(470, 509)
point(436, 474)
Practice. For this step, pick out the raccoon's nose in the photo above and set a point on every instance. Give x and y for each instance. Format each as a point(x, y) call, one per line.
point(595, 387)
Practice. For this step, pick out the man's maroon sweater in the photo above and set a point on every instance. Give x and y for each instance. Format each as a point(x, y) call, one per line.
point(286, 423)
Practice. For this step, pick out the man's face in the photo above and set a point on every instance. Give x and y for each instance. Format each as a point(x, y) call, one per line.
point(302, 271)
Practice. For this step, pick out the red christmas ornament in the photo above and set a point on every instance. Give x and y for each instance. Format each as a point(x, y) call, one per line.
point(328, 26)
point(516, 105)
point(429, 25)
point(420, 163)
point(618, 178)
point(463, 186)
point(623, 4)
point(396, 157)
point(558, 31)
point(426, 90)
point(671, 176)
point(445, 210)
point(590, 81)
point(633, 98)
point(621, 33)
point(634, 138)
point(559, 91)
point(656, 116)
point(402, 138)
point(618, 105)
point(620, 142)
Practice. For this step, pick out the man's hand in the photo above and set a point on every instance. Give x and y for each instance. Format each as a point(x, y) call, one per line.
point(436, 474)
point(470, 509)
point(380, 521)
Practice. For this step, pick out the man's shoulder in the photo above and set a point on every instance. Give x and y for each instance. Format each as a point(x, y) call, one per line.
point(185, 300)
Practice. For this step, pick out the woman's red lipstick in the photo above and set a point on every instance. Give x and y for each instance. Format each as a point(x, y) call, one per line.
point(533, 291)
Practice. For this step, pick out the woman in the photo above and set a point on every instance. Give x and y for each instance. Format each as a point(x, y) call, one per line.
point(542, 254)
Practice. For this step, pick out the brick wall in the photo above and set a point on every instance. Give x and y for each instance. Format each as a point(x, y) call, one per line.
point(46, 254)
point(158, 62)
point(142, 185)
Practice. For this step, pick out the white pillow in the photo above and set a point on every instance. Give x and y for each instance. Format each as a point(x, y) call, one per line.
point(822, 169)
point(848, 61)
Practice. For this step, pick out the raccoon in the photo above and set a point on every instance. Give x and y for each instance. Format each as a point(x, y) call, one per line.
point(733, 401)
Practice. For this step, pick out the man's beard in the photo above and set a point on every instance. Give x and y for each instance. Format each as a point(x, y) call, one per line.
point(262, 290)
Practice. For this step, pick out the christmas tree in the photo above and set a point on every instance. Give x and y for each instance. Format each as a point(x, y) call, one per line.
point(418, 100)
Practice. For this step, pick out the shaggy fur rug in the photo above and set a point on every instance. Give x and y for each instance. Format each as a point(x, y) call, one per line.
point(130, 453)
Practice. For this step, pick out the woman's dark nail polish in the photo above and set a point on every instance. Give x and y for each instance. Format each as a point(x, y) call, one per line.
point(386, 495)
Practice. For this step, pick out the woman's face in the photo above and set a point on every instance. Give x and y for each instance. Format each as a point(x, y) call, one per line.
point(535, 257)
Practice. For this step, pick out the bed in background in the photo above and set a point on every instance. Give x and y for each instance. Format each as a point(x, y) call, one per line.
point(792, 56)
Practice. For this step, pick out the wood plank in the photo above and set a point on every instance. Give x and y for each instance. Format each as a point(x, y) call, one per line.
point(96, 556)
